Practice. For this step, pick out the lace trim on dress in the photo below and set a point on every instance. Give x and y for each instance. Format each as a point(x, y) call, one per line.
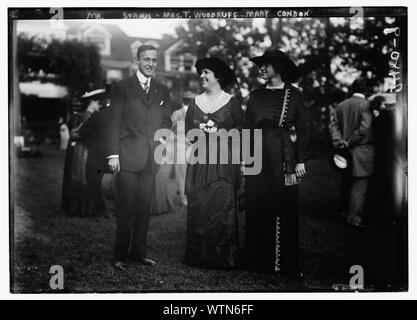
point(208, 106)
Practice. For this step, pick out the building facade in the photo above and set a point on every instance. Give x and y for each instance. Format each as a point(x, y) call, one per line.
point(118, 50)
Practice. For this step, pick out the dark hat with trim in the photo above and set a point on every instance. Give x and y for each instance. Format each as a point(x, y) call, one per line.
point(281, 61)
point(219, 67)
point(110, 186)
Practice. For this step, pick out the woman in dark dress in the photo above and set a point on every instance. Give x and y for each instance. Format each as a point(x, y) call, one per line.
point(81, 195)
point(91, 134)
point(272, 204)
point(211, 187)
point(74, 181)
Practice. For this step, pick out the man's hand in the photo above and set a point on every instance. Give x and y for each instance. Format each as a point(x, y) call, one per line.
point(114, 164)
point(300, 170)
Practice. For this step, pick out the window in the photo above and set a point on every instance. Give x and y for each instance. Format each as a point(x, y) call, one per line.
point(182, 62)
point(113, 75)
point(99, 36)
point(102, 43)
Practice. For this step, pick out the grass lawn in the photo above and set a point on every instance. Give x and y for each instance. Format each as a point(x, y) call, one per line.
point(44, 236)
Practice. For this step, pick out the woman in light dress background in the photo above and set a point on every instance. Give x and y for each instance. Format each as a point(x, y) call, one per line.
point(170, 178)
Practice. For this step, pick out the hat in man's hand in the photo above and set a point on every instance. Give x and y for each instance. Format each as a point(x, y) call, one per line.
point(340, 160)
point(110, 186)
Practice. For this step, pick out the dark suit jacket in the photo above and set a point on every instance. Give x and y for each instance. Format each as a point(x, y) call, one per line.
point(132, 120)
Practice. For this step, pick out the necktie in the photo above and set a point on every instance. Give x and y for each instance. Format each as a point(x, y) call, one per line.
point(146, 86)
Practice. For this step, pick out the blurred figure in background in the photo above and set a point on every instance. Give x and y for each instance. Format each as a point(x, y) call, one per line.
point(177, 117)
point(91, 134)
point(80, 194)
point(64, 134)
point(74, 180)
point(170, 179)
point(351, 115)
point(385, 241)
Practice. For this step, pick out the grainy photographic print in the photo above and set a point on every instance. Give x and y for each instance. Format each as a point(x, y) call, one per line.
point(208, 149)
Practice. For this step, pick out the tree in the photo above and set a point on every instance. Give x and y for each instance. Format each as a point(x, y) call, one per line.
point(328, 51)
point(71, 63)
point(229, 40)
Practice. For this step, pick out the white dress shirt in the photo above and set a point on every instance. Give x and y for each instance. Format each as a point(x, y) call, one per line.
point(143, 80)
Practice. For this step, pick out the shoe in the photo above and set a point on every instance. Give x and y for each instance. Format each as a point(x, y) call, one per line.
point(120, 265)
point(145, 261)
point(355, 221)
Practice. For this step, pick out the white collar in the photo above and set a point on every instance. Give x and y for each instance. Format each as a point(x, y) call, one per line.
point(142, 79)
point(208, 106)
point(281, 86)
point(359, 95)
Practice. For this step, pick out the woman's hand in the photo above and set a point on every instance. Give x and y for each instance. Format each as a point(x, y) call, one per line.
point(300, 170)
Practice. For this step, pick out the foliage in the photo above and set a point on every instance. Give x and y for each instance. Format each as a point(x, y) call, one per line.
point(330, 54)
point(70, 63)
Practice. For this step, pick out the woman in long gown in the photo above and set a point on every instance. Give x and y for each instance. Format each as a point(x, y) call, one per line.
point(272, 211)
point(167, 189)
point(80, 192)
point(91, 134)
point(74, 180)
point(211, 188)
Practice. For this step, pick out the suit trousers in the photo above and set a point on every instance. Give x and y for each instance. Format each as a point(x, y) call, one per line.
point(136, 195)
point(357, 197)
point(345, 185)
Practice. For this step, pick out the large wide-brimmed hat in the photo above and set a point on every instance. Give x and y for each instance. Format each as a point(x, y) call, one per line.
point(219, 67)
point(110, 186)
point(340, 160)
point(286, 67)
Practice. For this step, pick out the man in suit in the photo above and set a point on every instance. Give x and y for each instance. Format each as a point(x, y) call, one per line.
point(353, 116)
point(139, 106)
